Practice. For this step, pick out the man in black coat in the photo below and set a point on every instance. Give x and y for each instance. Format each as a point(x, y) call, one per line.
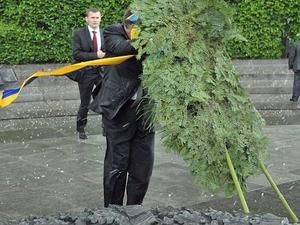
point(87, 44)
point(294, 64)
point(130, 143)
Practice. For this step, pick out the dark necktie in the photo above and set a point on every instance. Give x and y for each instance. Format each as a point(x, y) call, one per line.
point(94, 42)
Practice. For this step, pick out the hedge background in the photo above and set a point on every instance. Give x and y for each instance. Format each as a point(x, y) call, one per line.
point(266, 24)
point(39, 31)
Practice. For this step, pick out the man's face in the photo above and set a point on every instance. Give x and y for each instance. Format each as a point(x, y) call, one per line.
point(132, 31)
point(93, 19)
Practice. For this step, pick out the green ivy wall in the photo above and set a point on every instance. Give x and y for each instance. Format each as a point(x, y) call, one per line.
point(265, 24)
point(39, 31)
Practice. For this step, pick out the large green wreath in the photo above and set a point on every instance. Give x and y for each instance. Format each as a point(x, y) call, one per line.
point(199, 103)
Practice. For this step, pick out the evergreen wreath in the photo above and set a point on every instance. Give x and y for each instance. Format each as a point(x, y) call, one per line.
point(198, 101)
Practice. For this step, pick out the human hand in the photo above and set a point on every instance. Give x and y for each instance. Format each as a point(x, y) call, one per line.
point(100, 54)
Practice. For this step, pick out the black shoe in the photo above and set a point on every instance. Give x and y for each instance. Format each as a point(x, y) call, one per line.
point(294, 99)
point(82, 136)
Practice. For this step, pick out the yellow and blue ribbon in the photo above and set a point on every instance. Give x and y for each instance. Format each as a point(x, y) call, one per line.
point(7, 96)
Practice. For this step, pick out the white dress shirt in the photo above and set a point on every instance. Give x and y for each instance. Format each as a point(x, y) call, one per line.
point(97, 35)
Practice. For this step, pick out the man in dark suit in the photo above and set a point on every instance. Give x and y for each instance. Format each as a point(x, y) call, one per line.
point(294, 64)
point(87, 44)
point(130, 142)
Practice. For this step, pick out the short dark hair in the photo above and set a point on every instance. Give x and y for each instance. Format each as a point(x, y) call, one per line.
point(93, 10)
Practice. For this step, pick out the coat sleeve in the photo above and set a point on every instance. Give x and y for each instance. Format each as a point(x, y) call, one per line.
point(117, 45)
point(292, 52)
point(79, 52)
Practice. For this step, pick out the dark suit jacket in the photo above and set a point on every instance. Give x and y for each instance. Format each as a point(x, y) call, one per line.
point(82, 51)
point(294, 57)
point(82, 45)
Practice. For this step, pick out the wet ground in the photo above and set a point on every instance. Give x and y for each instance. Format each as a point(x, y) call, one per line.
point(45, 169)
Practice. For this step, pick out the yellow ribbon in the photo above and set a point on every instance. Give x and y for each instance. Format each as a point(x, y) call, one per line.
point(5, 101)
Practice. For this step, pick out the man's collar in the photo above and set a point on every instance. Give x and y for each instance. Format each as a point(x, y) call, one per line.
point(91, 29)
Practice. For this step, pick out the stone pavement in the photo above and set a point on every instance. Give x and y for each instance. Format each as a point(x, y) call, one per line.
point(45, 169)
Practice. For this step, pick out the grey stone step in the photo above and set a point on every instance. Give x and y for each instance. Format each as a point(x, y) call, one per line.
point(48, 81)
point(270, 90)
point(40, 109)
point(30, 94)
point(273, 102)
point(267, 83)
point(57, 91)
point(272, 115)
point(7, 75)
point(267, 76)
point(287, 105)
point(48, 93)
point(263, 69)
point(261, 62)
point(53, 81)
point(261, 66)
point(268, 86)
point(281, 117)
point(277, 109)
point(266, 98)
point(244, 67)
point(26, 70)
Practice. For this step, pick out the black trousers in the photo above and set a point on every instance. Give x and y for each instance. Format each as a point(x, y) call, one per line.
point(129, 157)
point(296, 85)
point(86, 85)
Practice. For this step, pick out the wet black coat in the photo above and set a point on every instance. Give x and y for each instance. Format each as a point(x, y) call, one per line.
point(121, 81)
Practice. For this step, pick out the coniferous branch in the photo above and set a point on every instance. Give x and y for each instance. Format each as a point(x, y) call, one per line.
point(200, 106)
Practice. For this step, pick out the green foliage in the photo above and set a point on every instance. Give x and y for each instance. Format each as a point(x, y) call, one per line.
point(233, 1)
point(198, 100)
point(43, 29)
point(34, 31)
point(264, 23)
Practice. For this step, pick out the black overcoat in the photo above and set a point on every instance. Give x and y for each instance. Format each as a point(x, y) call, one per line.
point(294, 57)
point(120, 81)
